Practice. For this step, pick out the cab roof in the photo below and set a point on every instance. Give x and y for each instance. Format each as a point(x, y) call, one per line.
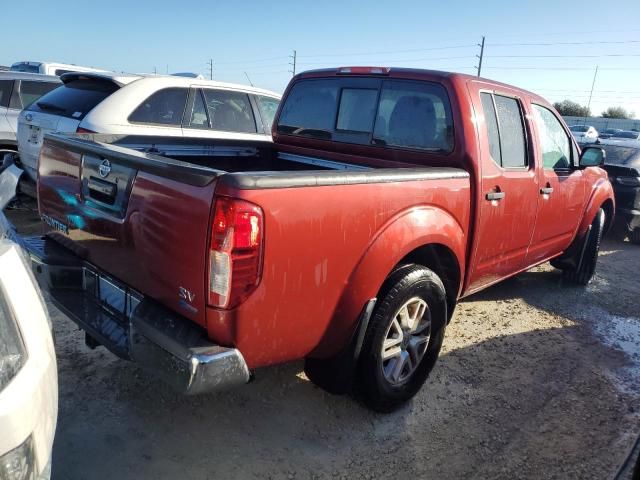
point(411, 73)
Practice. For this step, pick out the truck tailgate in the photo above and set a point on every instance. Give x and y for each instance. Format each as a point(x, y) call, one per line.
point(140, 218)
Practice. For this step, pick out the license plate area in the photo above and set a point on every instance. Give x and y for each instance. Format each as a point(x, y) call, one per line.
point(34, 134)
point(118, 299)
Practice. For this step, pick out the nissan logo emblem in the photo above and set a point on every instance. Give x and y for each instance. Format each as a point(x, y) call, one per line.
point(105, 168)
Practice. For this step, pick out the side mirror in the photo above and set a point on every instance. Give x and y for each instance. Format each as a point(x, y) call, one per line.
point(592, 157)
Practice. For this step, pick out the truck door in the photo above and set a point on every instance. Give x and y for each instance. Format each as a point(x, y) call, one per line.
point(508, 196)
point(562, 189)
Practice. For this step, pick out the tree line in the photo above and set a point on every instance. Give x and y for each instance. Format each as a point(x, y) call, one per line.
point(573, 109)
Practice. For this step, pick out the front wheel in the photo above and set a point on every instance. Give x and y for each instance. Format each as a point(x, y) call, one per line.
point(583, 273)
point(403, 338)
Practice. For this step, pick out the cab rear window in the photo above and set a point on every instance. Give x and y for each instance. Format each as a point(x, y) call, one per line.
point(396, 113)
point(75, 99)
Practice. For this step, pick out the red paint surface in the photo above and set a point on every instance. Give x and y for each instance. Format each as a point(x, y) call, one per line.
point(328, 249)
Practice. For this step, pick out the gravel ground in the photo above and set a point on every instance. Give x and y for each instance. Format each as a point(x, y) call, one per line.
point(537, 379)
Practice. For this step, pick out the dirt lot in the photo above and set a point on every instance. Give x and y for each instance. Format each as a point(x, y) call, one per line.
point(537, 380)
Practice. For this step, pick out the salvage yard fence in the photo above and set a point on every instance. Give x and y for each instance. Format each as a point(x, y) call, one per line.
point(601, 124)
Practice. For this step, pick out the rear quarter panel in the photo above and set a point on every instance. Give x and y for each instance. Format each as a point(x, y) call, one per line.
point(324, 244)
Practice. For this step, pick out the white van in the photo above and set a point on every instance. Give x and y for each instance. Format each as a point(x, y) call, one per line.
point(154, 105)
point(50, 68)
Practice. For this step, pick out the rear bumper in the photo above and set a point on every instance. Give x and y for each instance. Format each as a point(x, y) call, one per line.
point(132, 326)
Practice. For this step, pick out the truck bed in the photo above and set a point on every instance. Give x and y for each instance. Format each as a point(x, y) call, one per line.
point(146, 223)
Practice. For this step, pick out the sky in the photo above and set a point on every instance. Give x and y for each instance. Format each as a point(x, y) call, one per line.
point(549, 47)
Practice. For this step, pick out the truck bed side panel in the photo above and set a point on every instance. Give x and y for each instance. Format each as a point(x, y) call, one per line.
point(315, 238)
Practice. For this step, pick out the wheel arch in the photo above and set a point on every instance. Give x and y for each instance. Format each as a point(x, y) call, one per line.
point(601, 196)
point(428, 236)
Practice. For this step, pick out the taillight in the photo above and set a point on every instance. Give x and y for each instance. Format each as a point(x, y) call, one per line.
point(235, 251)
point(84, 130)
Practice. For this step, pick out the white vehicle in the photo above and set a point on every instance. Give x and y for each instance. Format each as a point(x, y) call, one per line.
point(51, 68)
point(584, 133)
point(146, 105)
point(19, 90)
point(28, 373)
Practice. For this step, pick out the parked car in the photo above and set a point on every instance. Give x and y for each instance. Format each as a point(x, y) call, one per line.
point(386, 196)
point(171, 106)
point(19, 90)
point(608, 133)
point(623, 166)
point(626, 134)
point(51, 68)
point(28, 374)
point(584, 133)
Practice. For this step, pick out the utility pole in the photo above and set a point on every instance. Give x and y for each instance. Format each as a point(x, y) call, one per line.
point(481, 45)
point(247, 75)
point(593, 84)
point(155, 71)
point(293, 64)
point(210, 63)
point(167, 69)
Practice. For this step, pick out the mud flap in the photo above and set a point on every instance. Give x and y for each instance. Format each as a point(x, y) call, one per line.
point(336, 374)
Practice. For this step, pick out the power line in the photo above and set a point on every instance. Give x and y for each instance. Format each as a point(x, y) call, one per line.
point(586, 91)
point(561, 68)
point(544, 44)
point(569, 56)
point(386, 52)
point(256, 60)
point(406, 60)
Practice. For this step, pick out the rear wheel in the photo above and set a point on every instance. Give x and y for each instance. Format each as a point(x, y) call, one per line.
point(403, 338)
point(634, 236)
point(583, 273)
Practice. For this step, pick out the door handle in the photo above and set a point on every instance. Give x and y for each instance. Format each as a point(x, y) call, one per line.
point(491, 196)
point(548, 190)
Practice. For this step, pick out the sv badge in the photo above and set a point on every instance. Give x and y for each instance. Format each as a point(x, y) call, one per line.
point(185, 294)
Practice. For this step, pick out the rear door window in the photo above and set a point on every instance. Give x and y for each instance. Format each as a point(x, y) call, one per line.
point(512, 139)
point(31, 91)
point(491, 124)
point(230, 111)
point(6, 86)
point(398, 113)
point(75, 99)
point(164, 107)
point(505, 130)
point(268, 107)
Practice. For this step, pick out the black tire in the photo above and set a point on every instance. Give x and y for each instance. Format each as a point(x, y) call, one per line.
point(584, 272)
point(403, 285)
point(634, 236)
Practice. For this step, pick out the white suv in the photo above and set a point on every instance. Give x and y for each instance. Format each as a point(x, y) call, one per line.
point(18, 90)
point(146, 105)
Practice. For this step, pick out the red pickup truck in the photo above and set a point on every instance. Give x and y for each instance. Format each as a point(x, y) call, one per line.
point(386, 196)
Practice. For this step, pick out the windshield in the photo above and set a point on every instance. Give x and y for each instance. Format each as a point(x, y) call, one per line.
point(370, 111)
point(618, 155)
point(579, 128)
point(75, 99)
